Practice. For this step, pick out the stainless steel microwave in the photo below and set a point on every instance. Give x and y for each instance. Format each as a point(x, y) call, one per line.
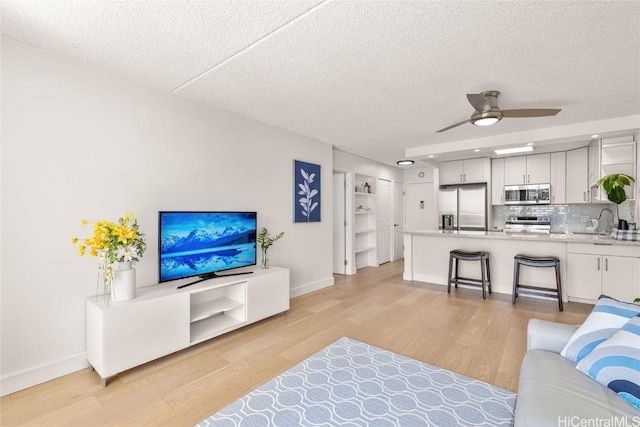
point(530, 194)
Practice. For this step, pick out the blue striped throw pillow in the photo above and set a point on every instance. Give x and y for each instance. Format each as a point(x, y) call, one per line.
point(615, 363)
point(606, 318)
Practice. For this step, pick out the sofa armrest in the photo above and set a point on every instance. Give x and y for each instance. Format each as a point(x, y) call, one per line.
point(549, 336)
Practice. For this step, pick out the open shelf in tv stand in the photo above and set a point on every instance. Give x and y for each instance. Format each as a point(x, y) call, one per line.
point(162, 319)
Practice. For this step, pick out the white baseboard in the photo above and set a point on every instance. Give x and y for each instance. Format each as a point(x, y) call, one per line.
point(26, 378)
point(310, 287)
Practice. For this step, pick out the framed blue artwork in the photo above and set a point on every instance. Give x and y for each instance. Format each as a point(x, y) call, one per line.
point(306, 192)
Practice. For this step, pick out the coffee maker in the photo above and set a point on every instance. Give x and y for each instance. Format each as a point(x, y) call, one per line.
point(447, 222)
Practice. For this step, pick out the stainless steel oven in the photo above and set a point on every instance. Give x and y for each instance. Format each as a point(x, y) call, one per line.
point(530, 194)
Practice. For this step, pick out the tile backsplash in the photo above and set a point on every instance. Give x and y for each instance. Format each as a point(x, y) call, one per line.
point(568, 217)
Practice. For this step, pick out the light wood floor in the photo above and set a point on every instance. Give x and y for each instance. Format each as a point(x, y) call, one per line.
point(461, 332)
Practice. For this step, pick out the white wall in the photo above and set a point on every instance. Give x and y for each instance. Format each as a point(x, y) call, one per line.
point(81, 143)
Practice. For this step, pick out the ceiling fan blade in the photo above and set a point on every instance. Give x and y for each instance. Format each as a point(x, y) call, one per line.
point(531, 112)
point(453, 126)
point(478, 101)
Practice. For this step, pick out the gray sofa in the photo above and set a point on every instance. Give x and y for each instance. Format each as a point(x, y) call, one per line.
point(552, 392)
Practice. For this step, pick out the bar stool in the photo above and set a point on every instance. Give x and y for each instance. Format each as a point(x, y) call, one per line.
point(531, 261)
point(485, 272)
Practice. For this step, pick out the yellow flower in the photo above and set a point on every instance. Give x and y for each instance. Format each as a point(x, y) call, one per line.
point(111, 242)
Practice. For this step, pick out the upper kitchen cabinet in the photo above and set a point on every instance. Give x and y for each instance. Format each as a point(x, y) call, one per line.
point(465, 171)
point(558, 177)
point(578, 175)
point(497, 181)
point(534, 169)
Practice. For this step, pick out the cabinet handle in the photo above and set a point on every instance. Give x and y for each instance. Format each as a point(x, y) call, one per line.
point(465, 177)
point(529, 179)
point(584, 195)
point(461, 178)
point(524, 179)
point(606, 264)
point(598, 264)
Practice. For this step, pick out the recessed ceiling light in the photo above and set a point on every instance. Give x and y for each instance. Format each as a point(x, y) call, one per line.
point(476, 150)
point(431, 156)
point(595, 136)
point(514, 150)
point(530, 143)
point(405, 162)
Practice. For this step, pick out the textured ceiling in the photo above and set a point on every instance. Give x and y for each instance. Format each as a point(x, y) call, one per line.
point(372, 78)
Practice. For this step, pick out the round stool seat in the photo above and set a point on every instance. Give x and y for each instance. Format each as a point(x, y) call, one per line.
point(468, 256)
point(531, 261)
point(536, 261)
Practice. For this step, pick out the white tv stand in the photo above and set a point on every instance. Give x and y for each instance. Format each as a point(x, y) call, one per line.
point(162, 319)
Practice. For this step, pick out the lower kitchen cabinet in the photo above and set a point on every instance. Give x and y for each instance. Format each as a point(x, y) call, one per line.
point(593, 270)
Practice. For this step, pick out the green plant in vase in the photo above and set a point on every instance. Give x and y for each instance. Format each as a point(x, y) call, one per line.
point(613, 184)
point(265, 240)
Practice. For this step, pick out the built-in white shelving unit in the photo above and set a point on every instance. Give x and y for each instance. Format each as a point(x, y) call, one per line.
point(365, 226)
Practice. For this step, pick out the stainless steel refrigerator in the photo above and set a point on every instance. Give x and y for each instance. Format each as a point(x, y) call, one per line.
point(467, 204)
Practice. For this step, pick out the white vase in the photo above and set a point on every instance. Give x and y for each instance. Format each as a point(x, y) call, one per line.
point(123, 286)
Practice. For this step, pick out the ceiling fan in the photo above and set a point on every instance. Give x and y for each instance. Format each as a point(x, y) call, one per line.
point(487, 110)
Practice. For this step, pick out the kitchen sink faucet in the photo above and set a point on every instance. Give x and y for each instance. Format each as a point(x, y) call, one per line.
point(610, 217)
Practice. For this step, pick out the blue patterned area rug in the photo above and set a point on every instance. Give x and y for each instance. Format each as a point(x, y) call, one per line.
point(350, 383)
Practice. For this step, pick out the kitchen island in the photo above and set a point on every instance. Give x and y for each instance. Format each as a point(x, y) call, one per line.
point(590, 264)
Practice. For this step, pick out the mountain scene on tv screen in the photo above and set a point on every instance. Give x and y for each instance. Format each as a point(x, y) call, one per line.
point(205, 244)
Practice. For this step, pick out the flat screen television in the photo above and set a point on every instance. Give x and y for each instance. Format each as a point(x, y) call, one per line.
point(203, 243)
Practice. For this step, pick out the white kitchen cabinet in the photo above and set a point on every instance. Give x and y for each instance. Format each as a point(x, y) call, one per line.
point(594, 270)
point(558, 178)
point(497, 181)
point(464, 171)
point(621, 277)
point(539, 169)
point(577, 182)
point(515, 170)
point(534, 169)
point(584, 274)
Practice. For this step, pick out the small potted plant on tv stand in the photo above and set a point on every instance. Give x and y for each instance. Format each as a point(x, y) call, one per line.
point(266, 241)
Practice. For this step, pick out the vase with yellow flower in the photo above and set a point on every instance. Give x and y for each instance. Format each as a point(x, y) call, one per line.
point(116, 245)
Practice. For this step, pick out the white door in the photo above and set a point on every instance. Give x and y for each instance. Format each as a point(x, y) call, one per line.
point(398, 230)
point(339, 235)
point(420, 207)
point(385, 218)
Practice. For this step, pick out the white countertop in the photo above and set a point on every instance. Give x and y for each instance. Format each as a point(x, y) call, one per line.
point(553, 237)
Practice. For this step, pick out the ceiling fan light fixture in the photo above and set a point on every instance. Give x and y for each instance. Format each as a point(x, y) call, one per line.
point(486, 118)
point(405, 162)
